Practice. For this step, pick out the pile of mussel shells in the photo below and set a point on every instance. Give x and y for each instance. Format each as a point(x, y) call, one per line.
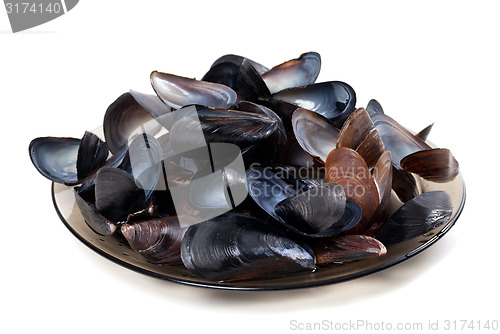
point(251, 172)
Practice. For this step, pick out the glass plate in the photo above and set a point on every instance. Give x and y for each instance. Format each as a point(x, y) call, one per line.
point(117, 250)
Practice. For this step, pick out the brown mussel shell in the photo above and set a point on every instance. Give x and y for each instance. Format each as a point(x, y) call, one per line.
point(403, 183)
point(158, 240)
point(359, 133)
point(382, 175)
point(347, 248)
point(437, 165)
point(346, 167)
point(424, 133)
point(371, 148)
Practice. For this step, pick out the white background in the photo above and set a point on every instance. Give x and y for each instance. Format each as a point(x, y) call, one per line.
point(425, 62)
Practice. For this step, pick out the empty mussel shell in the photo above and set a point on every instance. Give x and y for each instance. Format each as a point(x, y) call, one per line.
point(416, 217)
point(359, 133)
point(94, 219)
point(237, 247)
point(262, 110)
point(243, 129)
point(294, 73)
point(312, 212)
point(116, 194)
point(132, 113)
point(437, 165)
point(374, 107)
point(347, 248)
point(177, 91)
point(314, 133)
point(382, 175)
point(403, 183)
point(92, 154)
point(158, 240)
point(346, 167)
point(237, 60)
point(145, 156)
point(55, 158)
point(396, 138)
point(334, 100)
point(424, 133)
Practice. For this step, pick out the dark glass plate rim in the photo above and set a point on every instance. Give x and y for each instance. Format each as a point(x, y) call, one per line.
point(289, 286)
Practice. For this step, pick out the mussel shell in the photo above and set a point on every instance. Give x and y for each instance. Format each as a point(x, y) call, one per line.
point(350, 219)
point(94, 219)
point(382, 175)
point(360, 134)
point(424, 133)
point(416, 217)
point(224, 73)
point(294, 73)
point(437, 165)
point(283, 109)
point(314, 133)
point(334, 100)
point(403, 183)
point(300, 178)
point(371, 148)
point(243, 78)
point(128, 114)
point(355, 129)
point(158, 240)
point(294, 154)
point(347, 248)
point(120, 159)
point(265, 111)
point(92, 154)
point(55, 158)
point(116, 194)
point(237, 247)
point(237, 60)
point(374, 107)
point(177, 91)
point(346, 167)
point(268, 190)
point(250, 84)
point(220, 190)
point(145, 155)
point(224, 126)
point(396, 138)
point(314, 210)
